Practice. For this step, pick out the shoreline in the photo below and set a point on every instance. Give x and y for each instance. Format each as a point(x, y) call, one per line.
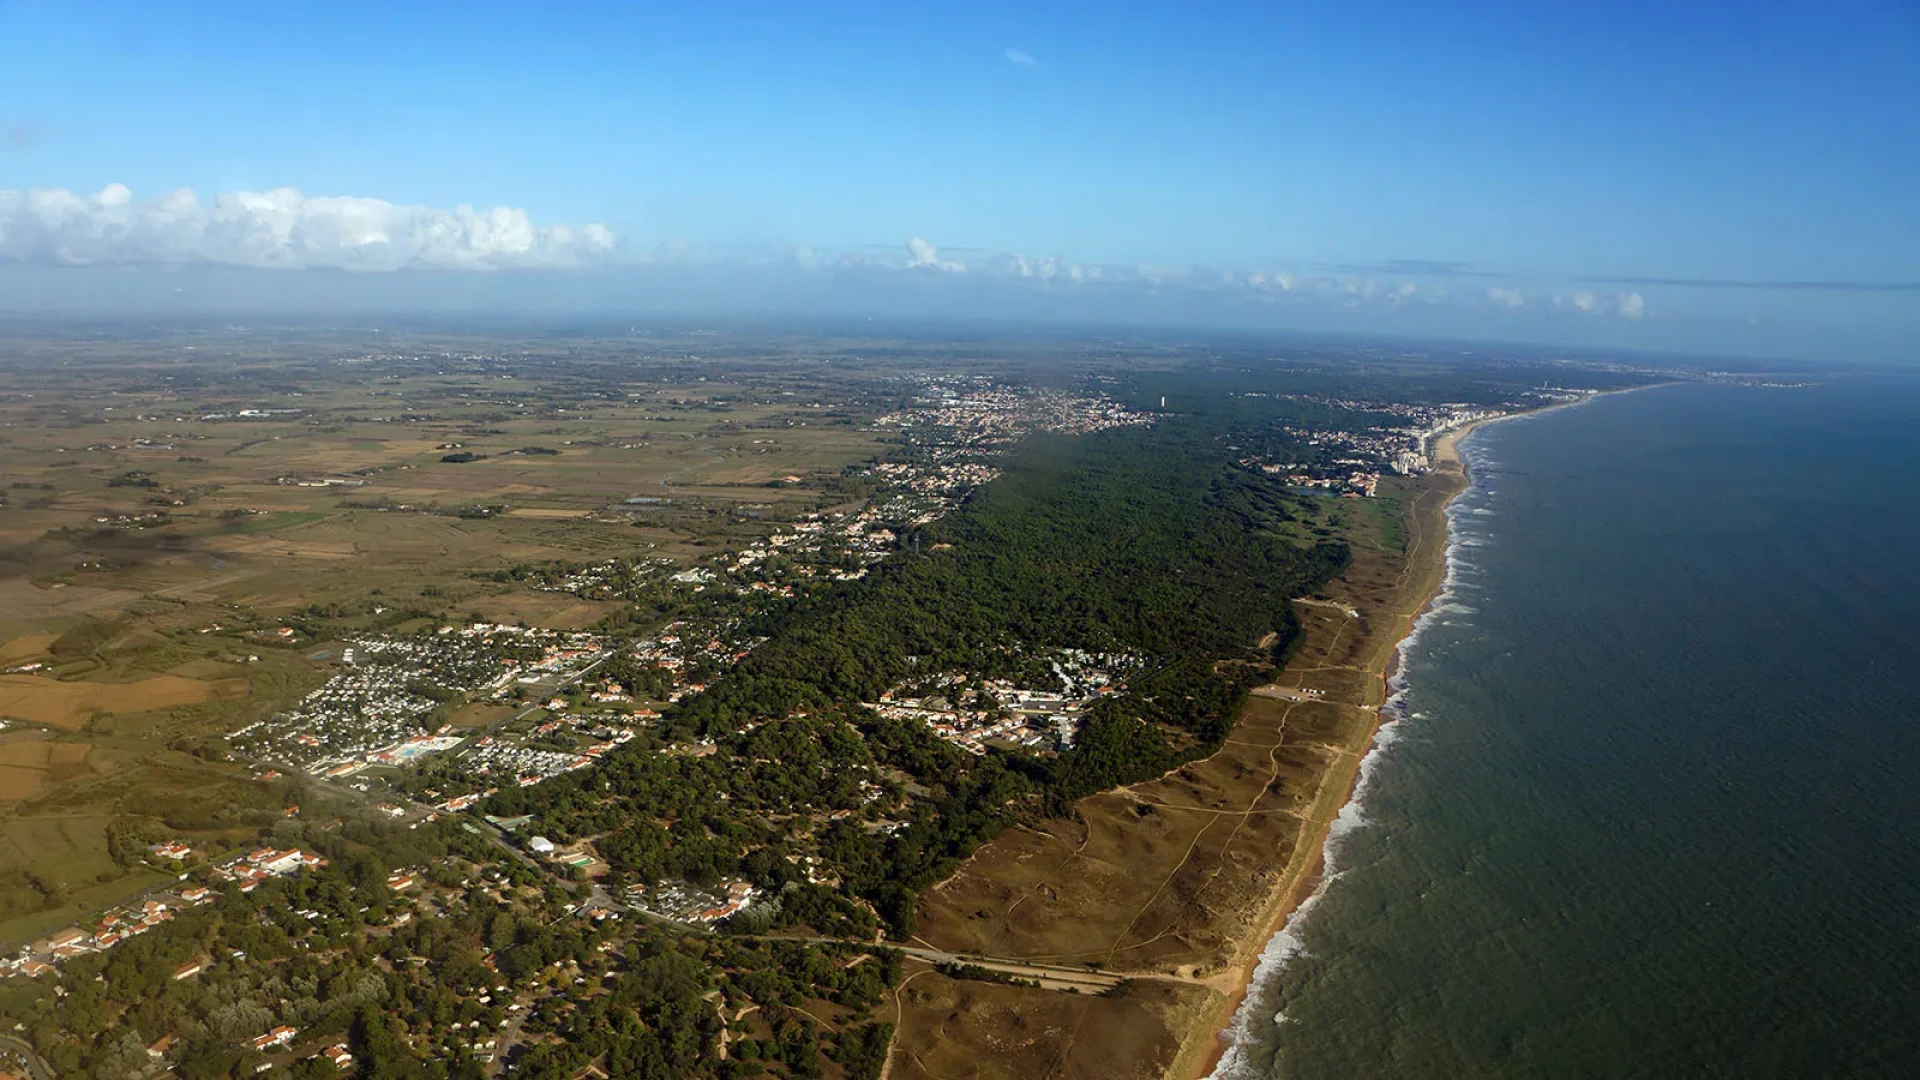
point(1215, 1033)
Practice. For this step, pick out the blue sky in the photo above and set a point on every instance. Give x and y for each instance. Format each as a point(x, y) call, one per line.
point(1504, 160)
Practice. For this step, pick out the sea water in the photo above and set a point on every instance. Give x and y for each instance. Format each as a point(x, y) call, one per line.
point(1652, 808)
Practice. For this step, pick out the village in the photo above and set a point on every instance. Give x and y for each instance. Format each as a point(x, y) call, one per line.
point(1351, 462)
point(479, 1028)
point(951, 435)
point(119, 924)
point(386, 704)
point(976, 714)
point(576, 696)
point(389, 704)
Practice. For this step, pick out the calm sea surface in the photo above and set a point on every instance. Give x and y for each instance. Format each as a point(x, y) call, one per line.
point(1655, 807)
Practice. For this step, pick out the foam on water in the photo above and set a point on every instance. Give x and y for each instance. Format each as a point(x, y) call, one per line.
point(1238, 1062)
point(1559, 871)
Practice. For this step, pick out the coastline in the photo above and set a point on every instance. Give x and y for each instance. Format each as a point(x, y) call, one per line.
point(1190, 885)
point(1209, 1043)
point(1207, 1046)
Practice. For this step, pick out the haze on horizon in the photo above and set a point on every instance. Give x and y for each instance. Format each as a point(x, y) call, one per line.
point(1730, 179)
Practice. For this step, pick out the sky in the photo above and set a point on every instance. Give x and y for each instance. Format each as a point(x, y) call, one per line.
point(1736, 177)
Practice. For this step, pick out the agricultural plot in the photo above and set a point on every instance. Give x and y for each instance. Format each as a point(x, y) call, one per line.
point(70, 705)
point(191, 528)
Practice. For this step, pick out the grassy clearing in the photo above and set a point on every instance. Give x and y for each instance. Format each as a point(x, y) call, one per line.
point(480, 715)
point(77, 905)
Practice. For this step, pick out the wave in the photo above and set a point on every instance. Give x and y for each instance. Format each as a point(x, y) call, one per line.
point(1239, 1062)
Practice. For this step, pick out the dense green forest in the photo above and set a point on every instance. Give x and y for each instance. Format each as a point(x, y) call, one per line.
point(1143, 540)
point(411, 984)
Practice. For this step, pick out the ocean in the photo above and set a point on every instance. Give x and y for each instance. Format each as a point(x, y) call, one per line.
point(1653, 808)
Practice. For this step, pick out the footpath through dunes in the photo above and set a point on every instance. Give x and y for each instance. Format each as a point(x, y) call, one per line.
point(1178, 881)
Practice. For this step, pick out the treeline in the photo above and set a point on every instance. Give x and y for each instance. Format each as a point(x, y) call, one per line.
point(1140, 540)
point(1145, 541)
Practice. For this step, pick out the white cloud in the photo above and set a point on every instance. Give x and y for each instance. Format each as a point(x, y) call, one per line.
point(283, 229)
point(1043, 268)
point(921, 254)
point(1625, 305)
point(1164, 275)
point(1021, 58)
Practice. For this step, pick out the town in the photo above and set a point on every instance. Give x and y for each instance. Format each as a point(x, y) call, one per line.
point(974, 714)
point(1351, 460)
point(737, 711)
point(385, 707)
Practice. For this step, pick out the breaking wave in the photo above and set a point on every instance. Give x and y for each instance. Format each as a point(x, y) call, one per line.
point(1245, 1054)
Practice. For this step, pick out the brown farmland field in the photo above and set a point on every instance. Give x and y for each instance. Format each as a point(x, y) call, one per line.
point(25, 647)
point(167, 503)
point(68, 705)
point(27, 767)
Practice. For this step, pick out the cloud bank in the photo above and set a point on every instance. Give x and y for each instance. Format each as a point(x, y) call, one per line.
point(1859, 286)
point(924, 256)
point(1380, 288)
point(1627, 305)
point(283, 229)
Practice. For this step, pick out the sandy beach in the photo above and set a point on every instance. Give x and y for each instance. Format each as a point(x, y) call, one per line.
point(1424, 573)
point(1424, 576)
point(1180, 883)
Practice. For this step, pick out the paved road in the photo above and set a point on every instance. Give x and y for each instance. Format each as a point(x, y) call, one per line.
point(535, 707)
point(1049, 976)
point(39, 1069)
point(1079, 977)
